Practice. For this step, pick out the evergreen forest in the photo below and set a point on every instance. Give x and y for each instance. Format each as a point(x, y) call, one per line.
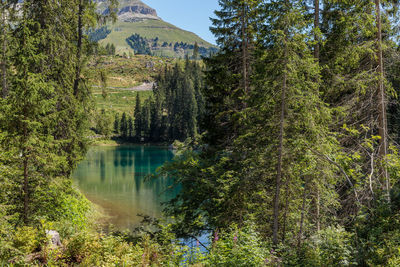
point(286, 139)
point(172, 113)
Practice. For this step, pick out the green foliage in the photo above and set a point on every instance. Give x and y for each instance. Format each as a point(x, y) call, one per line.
point(139, 44)
point(124, 73)
point(377, 236)
point(110, 50)
point(332, 247)
point(138, 117)
point(26, 239)
point(98, 34)
point(239, 247)
point(297, 125)
point(104, 124)
point(88, 248)
point(174, 110)
point(7, 249)
point(291, 135)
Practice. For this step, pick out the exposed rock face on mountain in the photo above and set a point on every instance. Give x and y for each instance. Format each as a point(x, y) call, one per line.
point(136, 12)
point(130, 10)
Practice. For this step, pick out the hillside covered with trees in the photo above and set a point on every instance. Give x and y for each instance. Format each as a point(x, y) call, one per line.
point(172, 113)
point(288, 152)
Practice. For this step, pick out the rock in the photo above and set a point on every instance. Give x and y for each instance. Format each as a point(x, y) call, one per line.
point(130, 11)
point(150, 64)
point(54, 238)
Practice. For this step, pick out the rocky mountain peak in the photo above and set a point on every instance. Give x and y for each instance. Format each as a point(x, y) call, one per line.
point(131, 10)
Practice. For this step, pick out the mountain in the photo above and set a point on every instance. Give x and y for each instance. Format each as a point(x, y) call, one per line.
point(139, 30)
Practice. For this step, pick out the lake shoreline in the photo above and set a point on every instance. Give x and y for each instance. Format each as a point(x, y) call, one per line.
point(116, 143)
point(114, 177)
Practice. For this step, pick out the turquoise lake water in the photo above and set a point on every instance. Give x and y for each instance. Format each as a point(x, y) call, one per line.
point(115, 179)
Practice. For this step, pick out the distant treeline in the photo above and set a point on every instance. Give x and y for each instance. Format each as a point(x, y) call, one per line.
point(98, 34)
point(139, 44)
point(172, 113)
point(144, 46)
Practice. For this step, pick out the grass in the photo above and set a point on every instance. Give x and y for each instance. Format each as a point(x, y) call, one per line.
point(118, 101)
point(127, 72)
point(123, 73)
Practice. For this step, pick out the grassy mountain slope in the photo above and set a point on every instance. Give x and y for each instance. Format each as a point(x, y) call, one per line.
point(135, 17)
point(150, 29)
point(122, 74)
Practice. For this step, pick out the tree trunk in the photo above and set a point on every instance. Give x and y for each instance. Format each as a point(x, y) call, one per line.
point(26, 190)
point(382, 121)
point(26, 177)
point(4, 54)
point(316, 26)
point(318, 210)
point(303, 207)
point(244, 51)
point(79, 49)
point(316, 56)
point(285, 211)
point(280, 154)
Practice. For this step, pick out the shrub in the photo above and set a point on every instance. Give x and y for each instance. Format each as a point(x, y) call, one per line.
point(238, 247)
point(330, 247)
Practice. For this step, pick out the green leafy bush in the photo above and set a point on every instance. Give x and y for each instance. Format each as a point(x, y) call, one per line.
point(330, 247)
point(27, 239)
point(238, 247)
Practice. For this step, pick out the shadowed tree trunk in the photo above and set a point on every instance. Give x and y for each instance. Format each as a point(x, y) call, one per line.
point(382, 120)
point(316, 56)
point(316, 26)
point(285, 211)
point(244, 49)
point(4, 51)
point(303, 209)
point(79, 49)
point(280, 154)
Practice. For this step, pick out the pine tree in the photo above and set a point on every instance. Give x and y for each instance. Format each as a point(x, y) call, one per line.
point(228, 72)
point(292, 77)
point(86, 13)
point(4, 44)
point(235, 31)
point(124, 126)
point(156, 119)
point(104, 124)
point(130, 127)
point(31, 97)
point(116, 123)
point(112, 50)
point(355, 87)
point(145, 119)
point(138, 118)
point(195, 51)
point(189, 114)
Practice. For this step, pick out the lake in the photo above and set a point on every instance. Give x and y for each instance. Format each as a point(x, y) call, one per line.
point(115, 179)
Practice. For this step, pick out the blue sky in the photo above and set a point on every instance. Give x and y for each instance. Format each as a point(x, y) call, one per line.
point(190, 15)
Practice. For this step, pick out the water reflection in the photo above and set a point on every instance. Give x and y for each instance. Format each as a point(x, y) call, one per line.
point(114, 178)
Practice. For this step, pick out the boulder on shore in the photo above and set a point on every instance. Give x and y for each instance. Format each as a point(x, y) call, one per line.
point(54, 238)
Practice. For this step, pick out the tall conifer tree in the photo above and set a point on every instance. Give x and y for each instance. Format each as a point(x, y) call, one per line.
point(138, 118)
